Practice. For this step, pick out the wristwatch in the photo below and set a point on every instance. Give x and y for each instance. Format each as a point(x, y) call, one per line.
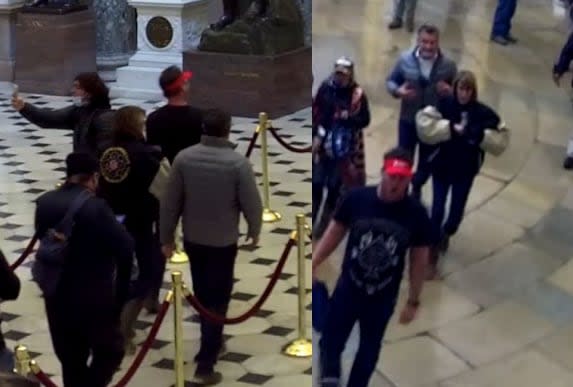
point(413, 303)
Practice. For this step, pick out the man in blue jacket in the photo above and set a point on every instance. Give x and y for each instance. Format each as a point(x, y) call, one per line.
point(560, 68)
point(419, 78)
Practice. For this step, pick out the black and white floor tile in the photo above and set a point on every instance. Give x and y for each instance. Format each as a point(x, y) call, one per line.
point(31, 162)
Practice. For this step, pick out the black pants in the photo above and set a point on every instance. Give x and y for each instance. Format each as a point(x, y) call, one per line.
point(212, 272)
point(349, 306)
point(150, 261)
point(324, 175)
point(408, 139)
point(78, 333)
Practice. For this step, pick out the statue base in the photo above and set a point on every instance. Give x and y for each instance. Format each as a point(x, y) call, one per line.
point(54, 9)
point(51, 49)
point(245, 85)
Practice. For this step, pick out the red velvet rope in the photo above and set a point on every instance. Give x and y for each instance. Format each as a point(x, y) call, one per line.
point(287, 145)
point(45, 380)
point(216, 319)
point(252, 144)
point(29, 249)
point(146, 345)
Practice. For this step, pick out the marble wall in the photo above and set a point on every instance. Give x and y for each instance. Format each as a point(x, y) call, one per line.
point(8, 10)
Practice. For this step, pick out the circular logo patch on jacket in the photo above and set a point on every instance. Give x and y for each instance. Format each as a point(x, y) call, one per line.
point(115, 165)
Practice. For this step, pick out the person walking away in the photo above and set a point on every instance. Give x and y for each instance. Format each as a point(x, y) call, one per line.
point(89, 117)
point(501, 29)
point(383, 223)
point(559, 69)
point(9, 291)
point(210, 186)
point(418, 79)
point(128, 168)
point(83, 267)
point(463, 129)
point(173, 127)
point(340, 113)
point(177, 125)
point(400, 8)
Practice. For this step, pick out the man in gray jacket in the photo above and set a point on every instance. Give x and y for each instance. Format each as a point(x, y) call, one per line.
point(420, 77)
point(210, 186)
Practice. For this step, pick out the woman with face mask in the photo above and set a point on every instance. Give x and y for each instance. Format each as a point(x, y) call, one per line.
point(463, 129)
point(89, 116)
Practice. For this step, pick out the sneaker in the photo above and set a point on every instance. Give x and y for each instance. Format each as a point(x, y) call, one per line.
point(511, 39)
point(395, 24)
point(568, 163)
point(207, 378)
point(502, 41)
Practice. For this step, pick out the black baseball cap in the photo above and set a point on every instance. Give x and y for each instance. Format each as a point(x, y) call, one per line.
point(79, 163)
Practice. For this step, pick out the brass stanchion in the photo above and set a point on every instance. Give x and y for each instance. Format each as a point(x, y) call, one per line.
point(177, 278)
point(21, 361)
point(269, 215)
point(179, 256)
point(301, 347)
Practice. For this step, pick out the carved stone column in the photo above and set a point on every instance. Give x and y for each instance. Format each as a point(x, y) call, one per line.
point(8, 9)
point(115, 21)
point(306, 8)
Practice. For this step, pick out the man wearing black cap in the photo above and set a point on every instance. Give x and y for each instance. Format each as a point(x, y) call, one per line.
point(83, 311)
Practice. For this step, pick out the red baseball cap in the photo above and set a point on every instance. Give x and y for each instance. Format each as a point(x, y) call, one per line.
point(398, 167)
point(180, 81)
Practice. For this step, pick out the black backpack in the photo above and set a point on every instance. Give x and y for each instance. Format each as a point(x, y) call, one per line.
point(54, 249)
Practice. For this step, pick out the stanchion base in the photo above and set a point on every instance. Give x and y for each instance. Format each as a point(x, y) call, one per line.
point(179, 257)
point(298, 348)
point(270, 216)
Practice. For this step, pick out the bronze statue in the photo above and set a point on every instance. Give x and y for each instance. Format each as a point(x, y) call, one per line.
point(231, 12)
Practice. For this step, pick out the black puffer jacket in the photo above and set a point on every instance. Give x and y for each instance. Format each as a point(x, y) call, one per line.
point(91, 124)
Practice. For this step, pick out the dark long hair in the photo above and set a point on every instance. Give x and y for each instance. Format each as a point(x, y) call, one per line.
point(92, 84)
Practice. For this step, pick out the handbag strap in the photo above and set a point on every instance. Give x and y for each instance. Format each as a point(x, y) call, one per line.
point(66, 223)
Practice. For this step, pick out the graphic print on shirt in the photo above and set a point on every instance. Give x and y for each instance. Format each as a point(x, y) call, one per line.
point(376, 249)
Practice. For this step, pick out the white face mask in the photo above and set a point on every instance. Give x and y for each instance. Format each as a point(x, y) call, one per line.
point(78, 101)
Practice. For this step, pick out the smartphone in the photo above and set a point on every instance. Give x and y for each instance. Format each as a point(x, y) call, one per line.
point(16, 91)
point(120, 218)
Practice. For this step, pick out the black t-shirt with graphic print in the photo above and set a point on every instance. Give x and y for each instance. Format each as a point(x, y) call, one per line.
point(380, 234)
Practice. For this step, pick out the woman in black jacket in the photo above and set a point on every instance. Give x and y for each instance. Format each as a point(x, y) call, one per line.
point(89, 117)
point(466, 127)
point(9, 290)
point(128, 168)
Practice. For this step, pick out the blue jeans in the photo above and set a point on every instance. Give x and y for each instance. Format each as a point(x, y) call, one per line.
point(408, 139)
point(347, 306)
point(502, 19)
point(460, 190)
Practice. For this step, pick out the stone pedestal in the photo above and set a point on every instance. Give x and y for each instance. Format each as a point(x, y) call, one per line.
point(8, 9)
point(166, 28)
point(114, 22)
point(245, 85)
point(52, 49)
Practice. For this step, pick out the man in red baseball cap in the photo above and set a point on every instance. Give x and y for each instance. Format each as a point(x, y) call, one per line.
point(383, 223)
point(173, 127)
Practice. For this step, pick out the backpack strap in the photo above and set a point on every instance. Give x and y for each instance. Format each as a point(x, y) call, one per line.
point(66, 224)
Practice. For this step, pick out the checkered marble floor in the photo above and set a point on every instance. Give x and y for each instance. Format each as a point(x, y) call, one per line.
point(31, 162)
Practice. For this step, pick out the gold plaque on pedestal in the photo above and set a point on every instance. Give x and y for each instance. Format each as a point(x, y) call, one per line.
point(159, 32)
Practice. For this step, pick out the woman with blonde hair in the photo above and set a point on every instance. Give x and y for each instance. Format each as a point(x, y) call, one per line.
point(129, 168)
point(463, 129)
